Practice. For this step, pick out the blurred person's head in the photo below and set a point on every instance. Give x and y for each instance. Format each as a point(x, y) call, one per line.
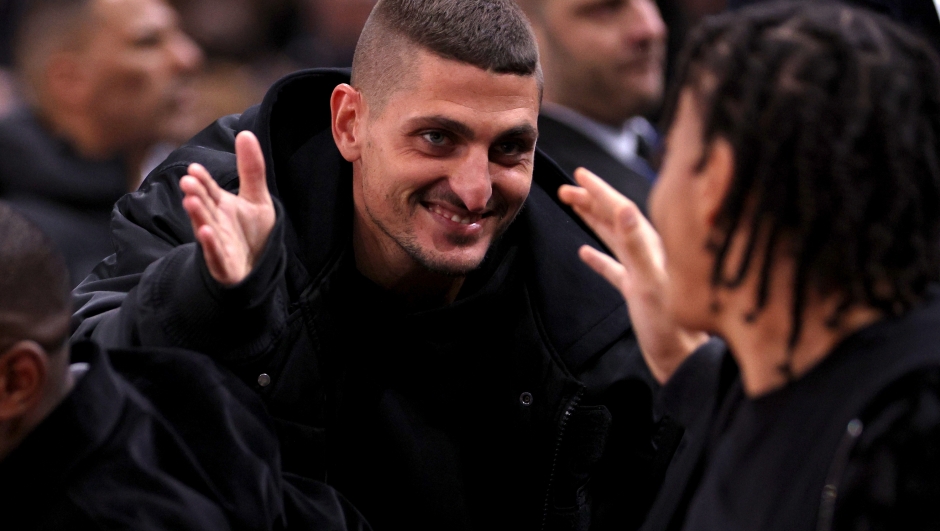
point(112, 76)
point(802, 169)
point(237, 30)
point(337, 23)
point(603, 58)
point(35, 310)
point(439, 123)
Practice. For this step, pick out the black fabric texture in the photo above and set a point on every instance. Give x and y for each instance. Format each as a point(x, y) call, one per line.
point(769, 462)
point(158, 440)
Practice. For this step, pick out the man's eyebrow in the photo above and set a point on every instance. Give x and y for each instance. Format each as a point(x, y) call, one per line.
point(462, 129)
point(524, 130)
point(443, 122)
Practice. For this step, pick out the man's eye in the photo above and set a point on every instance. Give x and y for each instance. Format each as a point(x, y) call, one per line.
point(604, 10)
point(436, 138)
point(149, 40)
point(510, 148)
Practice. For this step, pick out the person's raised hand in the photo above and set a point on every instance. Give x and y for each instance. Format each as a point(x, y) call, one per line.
point(638, 272)
point(232, 229)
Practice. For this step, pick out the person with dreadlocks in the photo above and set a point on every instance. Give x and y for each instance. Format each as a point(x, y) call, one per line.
point(798, 218)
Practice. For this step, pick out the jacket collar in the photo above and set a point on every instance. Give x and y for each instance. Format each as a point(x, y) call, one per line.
point(581, 314)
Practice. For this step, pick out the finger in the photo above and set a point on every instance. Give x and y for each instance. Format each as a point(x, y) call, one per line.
point(639, 246)
point(253, 185)
point(201, 174)
point(604, 199)
point(199, 215)
point(211, 252)
point(573, 195)
point(581, 202)
point(605, 266)
point(193, 188)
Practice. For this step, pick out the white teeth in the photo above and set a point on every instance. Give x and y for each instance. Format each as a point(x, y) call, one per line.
point(455, 218)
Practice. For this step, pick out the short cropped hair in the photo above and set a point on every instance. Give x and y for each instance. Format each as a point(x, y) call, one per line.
point(493, 35)
point(45, 27)
point(833, 115)
point(34, 281)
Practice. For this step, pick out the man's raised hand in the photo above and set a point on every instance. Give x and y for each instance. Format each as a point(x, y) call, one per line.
point(232, 229)
point(639, 271)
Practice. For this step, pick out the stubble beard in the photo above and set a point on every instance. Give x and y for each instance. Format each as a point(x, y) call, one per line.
point(408, 242)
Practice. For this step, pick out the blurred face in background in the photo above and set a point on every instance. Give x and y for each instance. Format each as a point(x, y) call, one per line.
point(602, 58)
point(139, 67)
point(338, 22)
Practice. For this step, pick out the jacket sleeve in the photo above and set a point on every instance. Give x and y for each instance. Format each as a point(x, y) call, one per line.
point(156, 289)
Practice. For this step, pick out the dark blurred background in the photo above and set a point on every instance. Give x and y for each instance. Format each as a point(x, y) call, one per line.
point(248, 44)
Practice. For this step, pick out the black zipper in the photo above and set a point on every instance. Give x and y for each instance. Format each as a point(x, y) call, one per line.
point(830, 492)
point(558, 442)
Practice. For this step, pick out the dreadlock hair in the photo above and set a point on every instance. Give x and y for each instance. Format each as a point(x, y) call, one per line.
point(833, 115)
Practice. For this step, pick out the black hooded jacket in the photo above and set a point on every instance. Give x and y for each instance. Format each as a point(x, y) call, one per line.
point(492, 412)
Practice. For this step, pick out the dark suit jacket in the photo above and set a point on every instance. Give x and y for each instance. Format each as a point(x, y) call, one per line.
point(572, 150)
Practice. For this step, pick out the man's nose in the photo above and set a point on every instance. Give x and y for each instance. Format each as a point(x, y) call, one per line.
point(187, 55)
point(644, 22)
point(472, 181)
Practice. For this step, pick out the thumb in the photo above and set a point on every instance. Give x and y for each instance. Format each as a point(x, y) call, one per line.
point(253, 186)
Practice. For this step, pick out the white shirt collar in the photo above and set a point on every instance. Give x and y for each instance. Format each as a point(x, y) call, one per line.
point(621, 142)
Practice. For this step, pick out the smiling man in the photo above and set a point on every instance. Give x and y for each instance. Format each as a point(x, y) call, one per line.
point(395, 278)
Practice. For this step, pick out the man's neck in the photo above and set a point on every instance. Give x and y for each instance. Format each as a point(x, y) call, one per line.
point(761, 345)
point(90, 143)
point(389, 266)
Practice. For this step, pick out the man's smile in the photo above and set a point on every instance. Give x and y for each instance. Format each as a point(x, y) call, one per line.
point(454, 214)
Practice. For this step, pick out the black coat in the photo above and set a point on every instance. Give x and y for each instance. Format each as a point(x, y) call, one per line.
point(68, 197)
point(571, 149)
point(851, 445)
point(497, 423)
point(160, 441)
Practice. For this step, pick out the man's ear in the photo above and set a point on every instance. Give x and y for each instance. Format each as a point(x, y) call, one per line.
point(67, 83)
point(24, 368)
point(348, 112)
point(715, 178)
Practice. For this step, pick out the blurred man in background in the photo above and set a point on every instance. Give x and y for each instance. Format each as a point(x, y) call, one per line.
point(604, 63)
point(104, 82)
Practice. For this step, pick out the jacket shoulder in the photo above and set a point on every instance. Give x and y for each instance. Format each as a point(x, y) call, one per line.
point(891, 480)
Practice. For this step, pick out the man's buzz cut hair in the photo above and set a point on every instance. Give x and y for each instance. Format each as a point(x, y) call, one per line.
point(45, 27)
point(493, 35)
point(34, 283)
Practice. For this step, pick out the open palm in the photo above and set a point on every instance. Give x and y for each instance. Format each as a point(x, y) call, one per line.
point(232, 229)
